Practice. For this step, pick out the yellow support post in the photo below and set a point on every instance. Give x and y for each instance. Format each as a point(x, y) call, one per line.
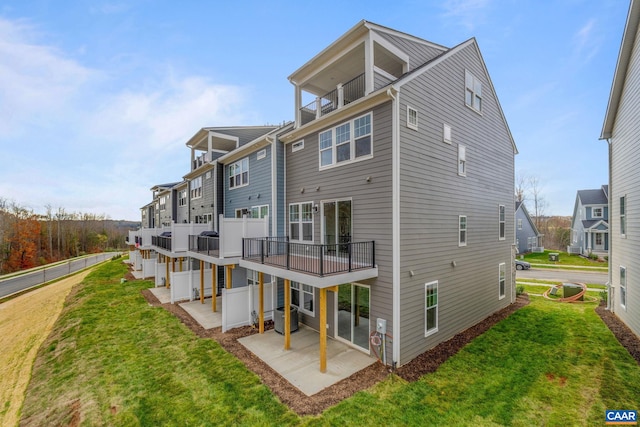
point(323, 330)
point(166, 280)
point(180, 264)
point(201, 282)
point(287, 314)
point(229, 278)
point(261, 300)
point(214, 287)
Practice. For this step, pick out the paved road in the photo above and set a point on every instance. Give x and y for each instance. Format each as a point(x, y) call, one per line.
point(19, 283)
point(563, 275)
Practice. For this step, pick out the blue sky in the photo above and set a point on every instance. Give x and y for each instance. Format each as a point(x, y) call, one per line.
point(97, 98)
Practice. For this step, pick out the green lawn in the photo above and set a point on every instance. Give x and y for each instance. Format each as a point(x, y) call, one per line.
point(565, 259)
point(122, 362)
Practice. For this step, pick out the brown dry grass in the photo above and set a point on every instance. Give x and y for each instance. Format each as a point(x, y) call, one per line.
point(25, 322)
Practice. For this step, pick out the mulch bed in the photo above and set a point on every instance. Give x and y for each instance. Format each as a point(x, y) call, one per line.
point(623, 334)
point(313, 405)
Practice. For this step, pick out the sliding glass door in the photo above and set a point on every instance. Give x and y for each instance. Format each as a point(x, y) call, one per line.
point(353, 314)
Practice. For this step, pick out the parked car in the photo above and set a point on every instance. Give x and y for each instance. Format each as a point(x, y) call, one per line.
point(522, 265)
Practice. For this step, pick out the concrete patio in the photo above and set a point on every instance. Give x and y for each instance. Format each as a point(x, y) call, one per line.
point(300, 365)
point(202, 313)
point(163, 294)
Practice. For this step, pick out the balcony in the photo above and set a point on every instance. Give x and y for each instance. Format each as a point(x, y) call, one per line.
point(163, 242)
point(207, 245)
point(342, 95)
point(312, 259)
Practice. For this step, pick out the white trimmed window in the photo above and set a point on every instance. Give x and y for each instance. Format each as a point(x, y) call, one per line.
point(297, 146)
point(346, 143)
point(163, 203)
point(473, 91)
point(182, 198)
point(252, 278)
point(501, 280)
point(259, 211)
point(623, 287)
point(462, 230)
point(446, 133)
point(239, 213)
point(462, 160)
point(302, 297)
point(430, 308)
point(596, 213)
point(239, 173)
point(519, 223)
point(196, 188)
point(623, 216)
point(301, 222)
point(501, 222)
point(412, 118)
point(262, 154)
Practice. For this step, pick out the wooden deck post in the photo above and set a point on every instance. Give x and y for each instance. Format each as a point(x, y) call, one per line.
point(214, 287)
point(201, 282)
point(261, 300)
point(323, 330)
point(287, 314)
point(181, 264)
point(166, 280)
point(229, 277)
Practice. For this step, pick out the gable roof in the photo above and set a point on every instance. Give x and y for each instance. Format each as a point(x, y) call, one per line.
point(521, 206)
point(620, 74)
point(594, 197)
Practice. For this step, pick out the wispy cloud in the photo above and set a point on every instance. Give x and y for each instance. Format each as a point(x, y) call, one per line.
point(467, 12)
point(586, 42)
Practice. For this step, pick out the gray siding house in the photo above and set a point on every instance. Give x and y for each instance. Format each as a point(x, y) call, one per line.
point(590, 223)
point(528, 238)
point(621, 130)
point(399, 171)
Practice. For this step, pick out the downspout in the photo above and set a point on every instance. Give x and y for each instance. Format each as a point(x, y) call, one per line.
point(274, 190)
point(395, 196)
point(610, 296)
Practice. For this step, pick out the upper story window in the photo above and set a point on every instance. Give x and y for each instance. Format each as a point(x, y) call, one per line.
point(462, 160)
point(596, 212)
point(473, 91)
point(182, 198)
point(196, 188)
point(346, 143)
point(446, 133)
point(297, 146)
point(163, 203)
point(462, 230)
point(501, 221)
point(623, 215)
point(262, 154)
point(412, 118)
point(239, 173)
point(519, 223)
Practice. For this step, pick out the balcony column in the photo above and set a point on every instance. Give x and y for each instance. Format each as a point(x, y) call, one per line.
point(287, 314)
point(298, 102)
point(166, 279)
point(180, 263)
point(261, 301)
point(340, 96)
point(201, 282)
point(229, 276)
point(214, 287)
point(318, 107)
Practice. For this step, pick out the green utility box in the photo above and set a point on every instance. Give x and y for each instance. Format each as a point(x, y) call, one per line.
point(571, 289)
point(554, 257)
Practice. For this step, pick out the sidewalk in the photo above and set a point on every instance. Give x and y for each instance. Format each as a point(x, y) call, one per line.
point(570, 267)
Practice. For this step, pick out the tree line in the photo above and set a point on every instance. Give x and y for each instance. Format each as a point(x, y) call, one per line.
point(29, 240)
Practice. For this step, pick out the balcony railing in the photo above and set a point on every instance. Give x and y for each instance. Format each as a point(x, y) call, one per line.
point(205, 245)
point(344, 94)
point(318, 260)
point(163, 242)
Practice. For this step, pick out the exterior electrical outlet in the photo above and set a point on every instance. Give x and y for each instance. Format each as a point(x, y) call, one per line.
point(381, 326)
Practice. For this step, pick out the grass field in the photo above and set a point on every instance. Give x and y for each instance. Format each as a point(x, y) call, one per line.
point(112, 359)
point(565, 260)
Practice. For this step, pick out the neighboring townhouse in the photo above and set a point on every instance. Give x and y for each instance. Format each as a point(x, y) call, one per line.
point(621, 131)
point(590, 223)
point(528, 238)
point(399, 195)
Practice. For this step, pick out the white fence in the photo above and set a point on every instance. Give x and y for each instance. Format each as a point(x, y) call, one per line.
point(239, 303)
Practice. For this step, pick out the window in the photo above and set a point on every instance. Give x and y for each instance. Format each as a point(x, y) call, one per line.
point(297, 146)
point(301, 221)
point(473, 91)
point(446, 133)
point(462, 160)
point(239, 173)
point(346, 143)
point(252, 278)
point(196, 188)
point(623, 215)
point(597, 212)
point(262, 154)
point(501, 221)
point(412, 118)
point(462, 230)
point(182, 198)
point(623, 287)
point(519, 223)
point(259, 211)
point(163, 203)
point(302, 297)
point(431, 308)
point(501, 280)
point(203, 219)
point(239, 213)
point(599, 239)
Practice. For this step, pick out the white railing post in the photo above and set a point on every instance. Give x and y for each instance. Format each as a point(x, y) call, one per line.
point(221, 236)
point(340, 96)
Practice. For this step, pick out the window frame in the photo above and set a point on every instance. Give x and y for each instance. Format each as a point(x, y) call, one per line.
point(593, 212)
point(462, 160)
point(261, 154)
point(195, 188)
point(623, 287)
point(462, 230)
point(334, 140)
point(430, 305)
point(502, 224)
point(447, 133)
point(260, 211)
point(472, 92)
point(182, 197)
point(303, 217)
point(297, 146)
point(623, 216)
point(236, 170)
point(412, 118)
point(519, 223)
point(303, 291)
point(502, 280)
